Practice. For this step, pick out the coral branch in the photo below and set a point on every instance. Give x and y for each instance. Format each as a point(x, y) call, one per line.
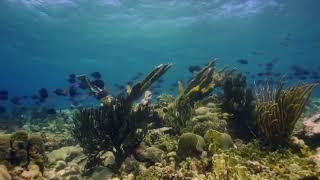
point(278, 113)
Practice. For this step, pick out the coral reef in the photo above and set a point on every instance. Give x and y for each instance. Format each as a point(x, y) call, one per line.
point(199, 140)
point(117, 126)
point(279, 109)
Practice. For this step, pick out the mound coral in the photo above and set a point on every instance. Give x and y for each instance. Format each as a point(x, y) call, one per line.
point(208, 114)
point(190, 145)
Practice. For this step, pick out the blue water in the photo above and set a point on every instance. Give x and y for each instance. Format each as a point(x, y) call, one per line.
point(43, 41)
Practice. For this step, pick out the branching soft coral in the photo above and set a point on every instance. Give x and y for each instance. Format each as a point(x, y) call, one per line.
point(278, 110)
point(238, 101)
point(117, 126)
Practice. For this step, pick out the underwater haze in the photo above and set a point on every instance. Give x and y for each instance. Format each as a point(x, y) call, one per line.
point(43, 41)
point(159, 89)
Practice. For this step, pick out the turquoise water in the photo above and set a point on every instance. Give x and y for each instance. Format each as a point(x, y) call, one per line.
point(43, 41)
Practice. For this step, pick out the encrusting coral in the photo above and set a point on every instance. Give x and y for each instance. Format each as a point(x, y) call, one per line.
point(278, 110)
point(117, 126)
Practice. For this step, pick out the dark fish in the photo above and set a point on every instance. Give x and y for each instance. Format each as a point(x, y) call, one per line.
point(72, 91)
point(242, 61)
point(82, 78)
point(34, 97)
point(15, 100)
point(72, 76)
point(298, 71)
point(130, 83)
point(297, 74)
point(314, 73)
point(302, 78)
point(4, 95)
point(99, 83)
point(83, 85)
point(96, 75)
point(2, 110)
point(260, 74)
point(137, 76)
point(269, 64)
point(194, 69)
point(4, 92)
point(289, 77)
point(134, 78)
point(288, 37)
point(268, 73)
point(51, 111)
point(315, 77)
point(306, 72)
point(71, 80)
point(160, 81)
point(43, 92)
point(296, 68)
point(277, 74)
point(74, 103)
point(61, 92)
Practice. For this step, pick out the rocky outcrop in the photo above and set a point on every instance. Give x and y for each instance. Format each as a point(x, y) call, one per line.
point(4, 174)
point(312, 126)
